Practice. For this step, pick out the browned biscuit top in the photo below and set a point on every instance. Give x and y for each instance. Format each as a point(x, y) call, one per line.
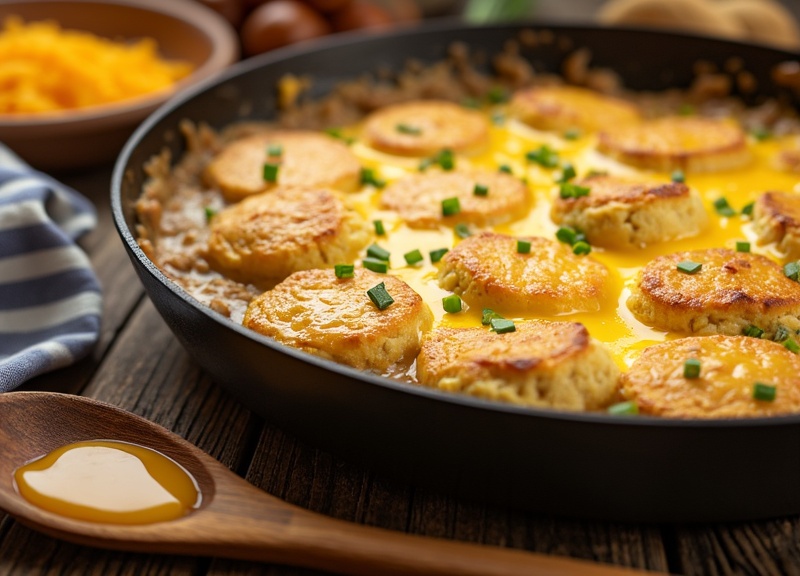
point(605, 189)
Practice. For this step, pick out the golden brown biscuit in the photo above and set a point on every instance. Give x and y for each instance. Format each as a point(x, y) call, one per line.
point(418, 198)
point(270, 235)
point(487, 271)
point(305, 159)
point(425, 127)
point(561, 108)
point(541, 363)
point(729, 368)
point(776, 218)
point(620, 213)
point(691, 144)
point(732, 290)
point(316, 312)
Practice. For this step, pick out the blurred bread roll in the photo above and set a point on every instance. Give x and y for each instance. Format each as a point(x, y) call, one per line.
point(764, 21)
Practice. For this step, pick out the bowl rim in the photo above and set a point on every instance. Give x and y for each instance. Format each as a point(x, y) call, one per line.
point(225, 51)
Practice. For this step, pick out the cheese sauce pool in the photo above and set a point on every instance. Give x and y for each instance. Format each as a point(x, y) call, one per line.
point(108, 482)
point(613, 325)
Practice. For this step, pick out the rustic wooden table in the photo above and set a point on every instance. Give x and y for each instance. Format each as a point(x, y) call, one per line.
point(139, 365)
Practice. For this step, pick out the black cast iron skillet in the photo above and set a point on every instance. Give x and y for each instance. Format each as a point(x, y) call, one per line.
point(584, 465)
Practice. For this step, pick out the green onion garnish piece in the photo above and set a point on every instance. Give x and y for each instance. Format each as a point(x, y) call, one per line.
point(275, 150)
point(413, 257)
point(462, 230)
point(629, 408)
point(761, 134)
point(368, 177)
point(753, 331)
point(567, 173)
point(501, 325)
point(581, 248)
point(339, 135)
point(497, 95)
point(691, 368)
point(408, 129)
point(488, 315)
point(792, 345)
point(742, 246)
point(344, 270)
point(379, 266)
point(480, 190)
point(380, 297)
point(451, 304)
point(781, 334)
point(445, 159)
point(424, 164)
point(572, 134)
point(270, 172)
point(437, 254)
point(378, 252)
point(747, 210)
point(523, 247)
point(686, 110)
point(723, 208)
point(678, 176)
point(210, 213)
point(505, 168)
point(792, 270)
point(566, 235)
point(543, 156)
point(689, 267)
point(764, 392)
point(569, 190)
point(451, 206)
point(380, 230)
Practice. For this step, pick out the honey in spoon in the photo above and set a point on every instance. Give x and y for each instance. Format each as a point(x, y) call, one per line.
point(108, 482)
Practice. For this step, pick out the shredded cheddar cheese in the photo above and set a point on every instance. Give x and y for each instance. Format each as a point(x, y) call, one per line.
point(45, 68)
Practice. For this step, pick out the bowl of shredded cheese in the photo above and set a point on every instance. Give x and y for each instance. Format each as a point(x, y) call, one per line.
point(77, 77)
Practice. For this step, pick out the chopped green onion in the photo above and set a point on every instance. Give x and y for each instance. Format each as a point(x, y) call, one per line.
point(451, 206)
point(271, 172)
point(480, 190)
point(462, 230)
point(685, 110)
point(792, 270)
point(488, 315)
point(742, 246)
point(437, 254)
point(566, 235)
point(210, 213)
point(523, 247)
point(505, 168)
point(344, 270)
point(723, 208)
point(792, 346)
point(339, 135)
point(569, 190)
point(544, 156)
point(691, 368)
point(497, 95)
point(379, 228)
point(581, 248)
point(567, 173)
point(764, 392)
point(378, 252)
point(451, 304)
point(629, 408)
point(413, 257)
point(781, 334)
point(380, 297)
point(407, 129)
point(753, 331)
point(761, 134)
point(747, 210)
point(275, 151)
point(572, 134)
point(678, 176)
point(368, 177)
point(501, 325)
point(689, 267)
point(379, 266)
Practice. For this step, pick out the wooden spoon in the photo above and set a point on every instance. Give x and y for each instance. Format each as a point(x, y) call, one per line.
point(235, 519)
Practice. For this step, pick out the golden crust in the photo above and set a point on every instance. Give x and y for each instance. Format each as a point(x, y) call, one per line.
point(691, 144)
point(542, 363)
point(431, 126)
point(732, 291)
point(561, 108)
point(487, 271)
point(729, 367)
point(316, 312)
point(270, 235)
point(418, 198)
point(620, 213)
point(776, 218)
point(308, 159)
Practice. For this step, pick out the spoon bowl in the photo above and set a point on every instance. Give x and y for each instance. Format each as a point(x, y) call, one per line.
point(234, 519)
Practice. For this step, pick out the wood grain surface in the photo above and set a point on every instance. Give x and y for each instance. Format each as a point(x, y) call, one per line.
point(140, 366)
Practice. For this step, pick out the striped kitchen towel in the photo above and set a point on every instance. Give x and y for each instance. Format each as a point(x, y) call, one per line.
point(49, 296)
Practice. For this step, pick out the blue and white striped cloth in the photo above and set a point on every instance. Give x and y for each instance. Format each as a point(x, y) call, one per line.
point(50, 300)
